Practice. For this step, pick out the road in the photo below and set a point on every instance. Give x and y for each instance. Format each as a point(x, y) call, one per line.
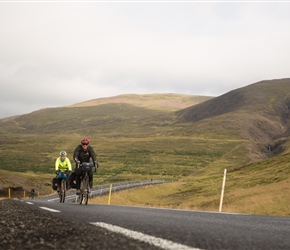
point(178, 229)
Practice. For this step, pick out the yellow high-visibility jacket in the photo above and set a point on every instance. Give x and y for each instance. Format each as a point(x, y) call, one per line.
point(65, 165)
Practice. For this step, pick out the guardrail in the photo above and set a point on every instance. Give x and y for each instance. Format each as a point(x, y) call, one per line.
point(105, 189)
point(108, 188)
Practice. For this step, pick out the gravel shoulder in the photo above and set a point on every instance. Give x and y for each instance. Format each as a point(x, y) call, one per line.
point(25, 227)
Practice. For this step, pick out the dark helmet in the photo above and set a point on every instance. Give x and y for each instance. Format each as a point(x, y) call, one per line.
point(85, 141)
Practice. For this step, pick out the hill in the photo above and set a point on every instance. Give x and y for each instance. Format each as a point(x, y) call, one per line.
point(100, 115)
point(123, 129)
point(151, 101)
point(189, 139)
point(258, 113)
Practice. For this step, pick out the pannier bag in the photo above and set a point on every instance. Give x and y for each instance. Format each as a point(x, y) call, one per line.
point(54, 183)
point(72, 180)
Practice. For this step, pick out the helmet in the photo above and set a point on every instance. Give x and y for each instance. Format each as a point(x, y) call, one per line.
point(85, 141)
point(62, 153)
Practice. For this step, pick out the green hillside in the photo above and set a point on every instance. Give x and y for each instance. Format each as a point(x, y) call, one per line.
point(182, 138)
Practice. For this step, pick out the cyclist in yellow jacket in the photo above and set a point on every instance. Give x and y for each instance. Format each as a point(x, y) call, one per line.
point(62, 164)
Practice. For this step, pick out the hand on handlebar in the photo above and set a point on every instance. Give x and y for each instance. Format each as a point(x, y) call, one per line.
point(96, 165)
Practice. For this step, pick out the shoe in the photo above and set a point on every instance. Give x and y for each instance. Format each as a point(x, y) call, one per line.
point(78, 191)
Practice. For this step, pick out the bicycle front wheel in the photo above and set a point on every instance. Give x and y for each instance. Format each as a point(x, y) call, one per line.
point(87, 188)
point(86, 197)
point(81, 198)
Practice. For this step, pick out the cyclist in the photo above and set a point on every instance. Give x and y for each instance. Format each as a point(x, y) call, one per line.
point(62, 163)
point(83, 153)
point(32, 192)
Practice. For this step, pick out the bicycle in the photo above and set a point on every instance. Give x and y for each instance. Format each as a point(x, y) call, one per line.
point(85, 185)
point(63, 175)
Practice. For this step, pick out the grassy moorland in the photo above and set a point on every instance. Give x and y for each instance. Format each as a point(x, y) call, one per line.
point(259, 188)
point(185, 140)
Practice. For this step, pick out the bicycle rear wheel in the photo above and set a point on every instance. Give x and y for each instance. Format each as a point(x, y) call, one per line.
point(62, 191)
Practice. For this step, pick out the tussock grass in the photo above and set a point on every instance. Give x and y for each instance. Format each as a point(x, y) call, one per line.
point(272, 199)
point(259, 188)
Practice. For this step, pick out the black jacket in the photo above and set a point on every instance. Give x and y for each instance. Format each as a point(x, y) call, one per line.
point(82, 155)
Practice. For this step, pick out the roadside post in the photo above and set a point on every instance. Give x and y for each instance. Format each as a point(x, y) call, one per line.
point(109, 201)
point(9, 195)
point(223, 190)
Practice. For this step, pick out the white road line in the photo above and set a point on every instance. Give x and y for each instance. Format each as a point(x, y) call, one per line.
point(50, 209)
point(67, 197)
point(30, 203)
point(54, 199)
point(158, 242)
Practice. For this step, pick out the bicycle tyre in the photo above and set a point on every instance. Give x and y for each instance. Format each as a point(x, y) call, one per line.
point(86, 192)
point(81, 196)
point(60, 193)
point(63, 190)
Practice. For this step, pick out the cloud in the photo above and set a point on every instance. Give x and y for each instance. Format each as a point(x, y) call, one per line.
point(55, 54)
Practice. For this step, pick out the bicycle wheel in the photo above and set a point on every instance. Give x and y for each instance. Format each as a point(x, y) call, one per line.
point(81, 196)
point(63, 190)
point(86, 191)
point(60, 195)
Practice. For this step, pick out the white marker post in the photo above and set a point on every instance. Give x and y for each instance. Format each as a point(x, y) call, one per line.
point(110, 192)
point(223, 190)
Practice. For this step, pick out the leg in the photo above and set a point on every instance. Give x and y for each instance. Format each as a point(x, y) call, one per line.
point(78, 173)
point(78, 181)
point(91, 178)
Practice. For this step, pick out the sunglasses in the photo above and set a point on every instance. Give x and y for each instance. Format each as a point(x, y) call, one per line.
point(85, 144)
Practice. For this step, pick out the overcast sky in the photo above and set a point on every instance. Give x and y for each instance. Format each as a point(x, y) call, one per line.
point(60, 53)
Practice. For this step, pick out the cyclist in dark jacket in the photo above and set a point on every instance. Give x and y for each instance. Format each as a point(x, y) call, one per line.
point(83, 153)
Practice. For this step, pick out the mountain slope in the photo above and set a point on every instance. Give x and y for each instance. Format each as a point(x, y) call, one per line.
point(259, 112)
point(102, 115)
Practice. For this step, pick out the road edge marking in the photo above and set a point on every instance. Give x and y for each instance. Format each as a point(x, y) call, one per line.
point(50, 209)
point(156, 241)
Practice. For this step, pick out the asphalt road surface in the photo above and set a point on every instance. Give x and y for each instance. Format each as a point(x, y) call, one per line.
point(176, 229)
